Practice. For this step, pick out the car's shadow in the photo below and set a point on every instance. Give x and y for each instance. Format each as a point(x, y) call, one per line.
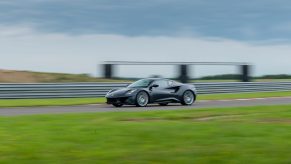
point(148, 106)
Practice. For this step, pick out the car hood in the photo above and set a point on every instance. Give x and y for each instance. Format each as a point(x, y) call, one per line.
point(119, 93)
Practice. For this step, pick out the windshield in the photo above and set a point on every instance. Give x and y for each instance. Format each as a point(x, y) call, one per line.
point(141, 83)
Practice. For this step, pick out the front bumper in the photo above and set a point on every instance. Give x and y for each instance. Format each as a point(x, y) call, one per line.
point(120, 100)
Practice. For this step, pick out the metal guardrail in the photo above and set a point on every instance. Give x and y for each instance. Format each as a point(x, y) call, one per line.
point(70, 90)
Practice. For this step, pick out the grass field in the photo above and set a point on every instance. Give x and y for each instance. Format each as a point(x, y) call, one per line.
point(12, 76)
point(229, 135)
point(49, 102)
point(244, 95)
point(82, 101)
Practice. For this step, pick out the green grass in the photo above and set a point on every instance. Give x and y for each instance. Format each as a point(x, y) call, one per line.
point(83, 101)
point(49, 102)
point(244, 95)
point(226, 135)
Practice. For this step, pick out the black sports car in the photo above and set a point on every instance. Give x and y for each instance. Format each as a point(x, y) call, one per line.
point(152, 90)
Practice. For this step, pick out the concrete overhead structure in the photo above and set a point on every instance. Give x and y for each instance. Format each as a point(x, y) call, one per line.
point(182, 67)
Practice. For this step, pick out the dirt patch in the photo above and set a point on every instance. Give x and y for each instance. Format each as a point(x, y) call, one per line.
point(187, 118)
point(11, 76)
point(8, 76)
point(275, 120)
point(217, 117)
point(141, 119)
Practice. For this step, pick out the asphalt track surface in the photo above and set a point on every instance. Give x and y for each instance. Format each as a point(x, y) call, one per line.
point(108, 108)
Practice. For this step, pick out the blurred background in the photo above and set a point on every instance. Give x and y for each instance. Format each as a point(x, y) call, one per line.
point(59, 58)
point(76, 37)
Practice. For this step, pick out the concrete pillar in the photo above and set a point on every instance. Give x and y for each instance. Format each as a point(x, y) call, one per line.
point(183, 77)
point(108, 71)
point(245, 73)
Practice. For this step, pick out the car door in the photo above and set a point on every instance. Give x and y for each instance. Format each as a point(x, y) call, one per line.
point(161, 92)
point(172, 88)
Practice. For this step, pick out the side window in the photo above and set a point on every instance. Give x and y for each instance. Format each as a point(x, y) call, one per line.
point(162, 83)
point(171, 83)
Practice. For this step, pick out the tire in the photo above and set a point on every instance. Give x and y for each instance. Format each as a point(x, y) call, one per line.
point(142, 99)
point(117, 105)
point(163, 104)
point(188, 98)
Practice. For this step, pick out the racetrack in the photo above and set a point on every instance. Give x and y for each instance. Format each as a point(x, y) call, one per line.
point(108, 108)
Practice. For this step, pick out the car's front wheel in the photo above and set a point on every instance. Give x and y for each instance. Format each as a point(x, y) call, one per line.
point(142, 99)
point(188, 98)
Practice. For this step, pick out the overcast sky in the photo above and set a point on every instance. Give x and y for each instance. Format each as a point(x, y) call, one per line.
point(75, 35)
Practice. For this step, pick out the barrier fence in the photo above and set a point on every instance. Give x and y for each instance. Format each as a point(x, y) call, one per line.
point(78, 90)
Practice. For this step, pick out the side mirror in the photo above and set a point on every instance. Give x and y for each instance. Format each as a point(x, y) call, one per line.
point(155, 86)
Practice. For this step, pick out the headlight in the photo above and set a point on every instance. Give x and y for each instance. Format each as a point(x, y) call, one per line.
point(109, 91)
point(131, 91)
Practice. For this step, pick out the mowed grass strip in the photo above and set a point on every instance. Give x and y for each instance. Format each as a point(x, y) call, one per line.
point(244, 95)
point(231, 135)
point(49, 102)
point(83, 101)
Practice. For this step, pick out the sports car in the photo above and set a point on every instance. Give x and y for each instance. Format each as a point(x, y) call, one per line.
point(152, 90)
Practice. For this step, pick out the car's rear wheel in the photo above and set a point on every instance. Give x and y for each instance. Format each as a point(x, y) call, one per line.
point(163, 104)
point(188, 98)
point(142, 99)
point(117, 104)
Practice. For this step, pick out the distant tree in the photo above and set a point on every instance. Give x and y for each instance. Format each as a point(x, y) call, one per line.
point(281, 76)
